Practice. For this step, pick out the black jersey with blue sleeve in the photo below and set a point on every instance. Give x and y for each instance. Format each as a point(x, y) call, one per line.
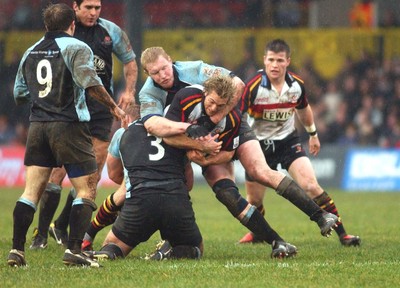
point(105, 38)
point(148, 159)
point(53, 75)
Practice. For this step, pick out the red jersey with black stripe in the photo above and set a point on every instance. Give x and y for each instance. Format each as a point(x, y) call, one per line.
point(188, 106)
point(272, 114)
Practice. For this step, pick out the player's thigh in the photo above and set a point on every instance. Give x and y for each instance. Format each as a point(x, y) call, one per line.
point(57, 175)
point(85, 186)
point(100, 151)
point(303, 173)
point(214, 173)
point(178, 221)
point(36, 181)
point(138, 219)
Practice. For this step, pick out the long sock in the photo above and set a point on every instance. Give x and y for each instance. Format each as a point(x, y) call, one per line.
point(23, 216)
point(293, 192)
point(63, 220)
point(260, 227)
point(48, 206)
point(228, 194)
point(106, 215)
point(326, 203)
point(81, 213)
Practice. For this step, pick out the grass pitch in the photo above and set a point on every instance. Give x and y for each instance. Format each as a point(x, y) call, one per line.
point(321, 262)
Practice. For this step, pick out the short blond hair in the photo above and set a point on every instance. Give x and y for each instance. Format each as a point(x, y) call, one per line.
point(222, 85)
point(151, 55)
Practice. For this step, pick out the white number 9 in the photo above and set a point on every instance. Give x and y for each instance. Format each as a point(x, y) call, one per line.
point(47, 80)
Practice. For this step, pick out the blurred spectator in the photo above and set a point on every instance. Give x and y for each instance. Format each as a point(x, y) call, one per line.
point(254, 13)
point(249, 65)
point(288, 13)
point(331, 101)
point(349, 137)
point(363, 14)
point(7, 133)
point(391, 130)
point(389, 19)
point(23, 18)
point(21, 135)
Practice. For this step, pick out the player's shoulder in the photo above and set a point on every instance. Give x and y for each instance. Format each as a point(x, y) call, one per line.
point(180, 65)
point(69, 40)
point(191, 92)
point(107, 24)
point(295, 77)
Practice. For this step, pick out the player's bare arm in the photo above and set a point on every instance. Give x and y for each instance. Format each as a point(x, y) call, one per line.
point(162, 127)
point(100, 94)
point(128, 95)
point(201, 159)
point(207, 145)
point(306, 118)
point(115, 169)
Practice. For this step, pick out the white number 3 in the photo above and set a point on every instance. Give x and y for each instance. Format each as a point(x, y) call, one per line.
point(44, 67)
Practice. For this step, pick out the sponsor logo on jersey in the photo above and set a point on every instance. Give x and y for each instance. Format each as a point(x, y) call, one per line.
point(99, 64)
point(277, 115)
point(212, 72)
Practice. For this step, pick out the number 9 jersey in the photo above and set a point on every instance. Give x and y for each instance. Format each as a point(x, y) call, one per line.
point(53, 75)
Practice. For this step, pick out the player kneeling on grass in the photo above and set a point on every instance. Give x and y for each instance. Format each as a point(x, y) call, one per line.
point(161, 203)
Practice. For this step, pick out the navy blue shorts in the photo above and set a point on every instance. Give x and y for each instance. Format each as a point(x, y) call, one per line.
point(101, 128)
point(282, 152)
point(53, 144)
point(167, 209)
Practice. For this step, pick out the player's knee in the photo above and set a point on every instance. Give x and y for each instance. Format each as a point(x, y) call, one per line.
point(185, 251)
point(228, 194)
point(53, 188)
point(86, 202)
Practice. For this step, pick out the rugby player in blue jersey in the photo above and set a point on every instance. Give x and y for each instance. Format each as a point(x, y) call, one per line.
point(105, 39)
point(53, 76)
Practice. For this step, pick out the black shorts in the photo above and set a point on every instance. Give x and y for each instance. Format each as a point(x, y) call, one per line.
point(53, 144)
point(246, 133)
point(151, 209)
point(282, 152)
point(101, 128)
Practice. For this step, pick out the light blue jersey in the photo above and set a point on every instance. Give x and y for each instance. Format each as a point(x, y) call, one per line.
point(153, 99)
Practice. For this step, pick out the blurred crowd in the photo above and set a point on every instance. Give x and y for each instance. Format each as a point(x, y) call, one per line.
point(359, 107)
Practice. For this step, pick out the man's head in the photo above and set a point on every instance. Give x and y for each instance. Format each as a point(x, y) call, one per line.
point(58, 17)
point(133, 112)
point(276, 59)
point(218, 92)
point(158, 65)
point(87, 11)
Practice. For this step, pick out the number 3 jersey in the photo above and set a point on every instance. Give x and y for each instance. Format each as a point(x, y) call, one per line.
point(147, 159)
point(53, 75)
point(272, 115)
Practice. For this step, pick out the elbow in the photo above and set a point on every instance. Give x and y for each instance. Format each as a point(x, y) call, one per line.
point(116, 177)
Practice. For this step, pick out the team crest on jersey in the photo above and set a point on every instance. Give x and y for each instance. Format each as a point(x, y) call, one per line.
point(212, 72)
point(293, 97)
point(99, 64)
point(236, 142)
point(107, 40)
